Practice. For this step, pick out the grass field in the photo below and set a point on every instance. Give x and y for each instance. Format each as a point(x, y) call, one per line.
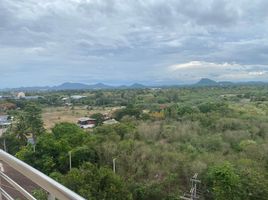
point(54, 115)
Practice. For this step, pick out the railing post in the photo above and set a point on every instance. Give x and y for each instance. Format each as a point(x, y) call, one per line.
point(2, 170)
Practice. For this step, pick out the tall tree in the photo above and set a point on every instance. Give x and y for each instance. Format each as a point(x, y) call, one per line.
point(224, 182)
point(33, 120)
point(21, 129)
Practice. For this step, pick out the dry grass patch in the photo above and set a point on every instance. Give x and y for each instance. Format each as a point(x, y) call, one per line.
point(54, 115)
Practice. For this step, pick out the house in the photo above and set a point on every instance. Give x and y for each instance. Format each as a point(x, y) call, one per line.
point(110, 122)
point(7, 97)
point(65, 98)
point(5, 121)
point(86, 122)
point(32, 97)
point(77, 97)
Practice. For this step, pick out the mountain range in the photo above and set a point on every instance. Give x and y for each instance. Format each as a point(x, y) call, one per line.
point(204, 82)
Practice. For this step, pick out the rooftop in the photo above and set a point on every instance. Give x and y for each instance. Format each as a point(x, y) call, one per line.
point(86, 119)
point(5, 120)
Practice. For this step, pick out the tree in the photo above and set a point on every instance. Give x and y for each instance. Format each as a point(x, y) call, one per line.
point(33, 120)
point(98, 117)
point(255, 184)
point(12, 143)
point(96, 183)
point(40, 194)
point(21, 129)
point(84, 154)
point(129, 110)
point(224, 182)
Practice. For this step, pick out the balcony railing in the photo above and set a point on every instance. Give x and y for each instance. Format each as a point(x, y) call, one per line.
point(54, 189)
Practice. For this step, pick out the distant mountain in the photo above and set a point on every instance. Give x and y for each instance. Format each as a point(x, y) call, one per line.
point(70, 86)
point(209, 82)
point(252, 83)
point(100, 86)
point(206, 82)
point(80, 86)
point(137, 86)
point(225, 83)
point(122, 87)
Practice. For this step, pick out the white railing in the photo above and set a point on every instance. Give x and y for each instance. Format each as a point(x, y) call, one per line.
point(54, 189)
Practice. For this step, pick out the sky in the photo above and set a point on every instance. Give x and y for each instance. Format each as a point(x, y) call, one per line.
point(154, 42)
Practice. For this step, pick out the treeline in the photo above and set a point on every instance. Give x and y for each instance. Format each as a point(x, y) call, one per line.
point(147, 97)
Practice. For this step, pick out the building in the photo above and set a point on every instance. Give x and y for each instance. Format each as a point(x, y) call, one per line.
point(65, 99)
point(6, 97)
point(110, 122)
point(86, 122)
point(32, 97)
point(77, 97)
point(5, 120)
point(21, 95)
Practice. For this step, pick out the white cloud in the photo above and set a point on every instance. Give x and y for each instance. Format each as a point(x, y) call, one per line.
point(258, 73)
point(195, 70)
point(203, 64)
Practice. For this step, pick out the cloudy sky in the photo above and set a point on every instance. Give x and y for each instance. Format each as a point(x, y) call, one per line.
point(47, 42)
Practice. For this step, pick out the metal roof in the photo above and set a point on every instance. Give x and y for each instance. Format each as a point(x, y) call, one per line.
point(86, 119)
point(4, 120)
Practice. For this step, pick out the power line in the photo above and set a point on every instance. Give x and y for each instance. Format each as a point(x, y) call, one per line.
point(193, 194)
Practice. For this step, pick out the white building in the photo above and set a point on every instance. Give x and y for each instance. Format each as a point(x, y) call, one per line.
point(21, 95)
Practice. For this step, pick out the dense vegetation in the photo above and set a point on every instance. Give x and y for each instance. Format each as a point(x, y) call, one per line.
point(163, 138)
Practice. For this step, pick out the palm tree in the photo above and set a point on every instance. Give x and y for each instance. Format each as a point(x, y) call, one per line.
point(21, 129)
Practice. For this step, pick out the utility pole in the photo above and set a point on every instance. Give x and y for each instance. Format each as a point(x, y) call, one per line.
point(70, 160)
point(114, 164)
point(192, 195)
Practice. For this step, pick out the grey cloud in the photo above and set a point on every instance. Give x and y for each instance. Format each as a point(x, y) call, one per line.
point(117, 39)
point(217, 12)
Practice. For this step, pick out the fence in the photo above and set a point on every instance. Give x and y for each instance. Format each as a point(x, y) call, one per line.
point(55, 190)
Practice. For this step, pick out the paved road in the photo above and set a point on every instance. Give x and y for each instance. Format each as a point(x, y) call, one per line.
point(18, 178)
